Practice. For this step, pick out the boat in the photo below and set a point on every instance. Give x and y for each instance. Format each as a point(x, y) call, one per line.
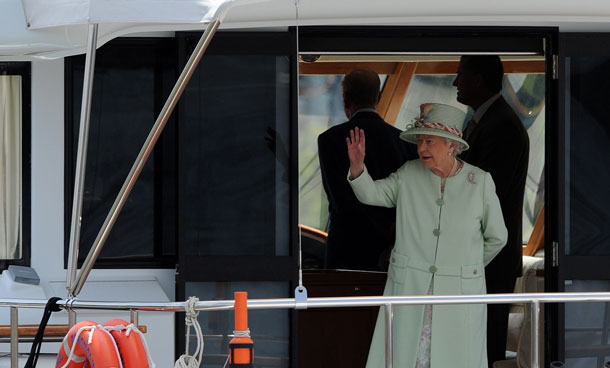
point(230, 196)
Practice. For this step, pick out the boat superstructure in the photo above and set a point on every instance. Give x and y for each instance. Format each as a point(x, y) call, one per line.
point(229, 197)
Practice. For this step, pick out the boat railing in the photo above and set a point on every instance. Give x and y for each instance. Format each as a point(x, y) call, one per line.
point(535, 300)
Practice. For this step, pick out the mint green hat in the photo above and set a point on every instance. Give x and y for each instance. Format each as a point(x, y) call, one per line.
point(437, 119)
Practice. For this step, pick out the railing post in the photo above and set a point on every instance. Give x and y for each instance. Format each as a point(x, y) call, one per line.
point(389, 338)
point(133, 316)
point(14, 338)
point(535, 332)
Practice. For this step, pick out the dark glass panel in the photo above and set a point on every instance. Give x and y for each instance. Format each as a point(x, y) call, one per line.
point(587, 326)
point(589, 167)
point(131, 79)
point(235, 115)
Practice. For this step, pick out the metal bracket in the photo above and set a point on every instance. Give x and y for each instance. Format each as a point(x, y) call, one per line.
point(555, 67)
point(555, 254)
point(300, 297)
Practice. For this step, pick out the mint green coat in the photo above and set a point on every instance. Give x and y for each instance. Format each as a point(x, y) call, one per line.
point(450, 240)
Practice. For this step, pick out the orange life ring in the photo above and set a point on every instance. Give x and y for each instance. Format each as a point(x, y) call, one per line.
point(93, 346)
point(132, 348)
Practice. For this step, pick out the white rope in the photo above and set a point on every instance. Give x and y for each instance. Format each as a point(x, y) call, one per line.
point(71, 356)
point(116, 348)
point(186, 360)
point(74, 343)
point(131, 327)
point(245, 333)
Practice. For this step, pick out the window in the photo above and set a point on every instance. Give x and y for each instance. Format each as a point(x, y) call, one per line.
point(237, 206)
point(321, 108)
point(132, 79)
point(14, 163)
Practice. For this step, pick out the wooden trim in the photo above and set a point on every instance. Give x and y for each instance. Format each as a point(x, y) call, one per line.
point(341, 68)
point(536, 241)
point(51, 330)
point(395, 90)
point(423, 67)
point(510, 67)
point(313, 233)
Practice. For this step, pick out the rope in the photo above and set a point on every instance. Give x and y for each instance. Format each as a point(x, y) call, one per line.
point(186, 360)
point(72, 356)
point(37, 344)
point(128, 329)
point(245, 333)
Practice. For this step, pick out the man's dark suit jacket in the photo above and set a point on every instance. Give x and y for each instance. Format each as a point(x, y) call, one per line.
point(358, 233)
point(499, 144)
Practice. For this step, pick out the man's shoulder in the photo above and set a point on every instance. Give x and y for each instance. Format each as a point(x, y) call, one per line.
point(501, 110)
point(335, 131)
point(502, 120)
point(375, 123)
point(371, 122)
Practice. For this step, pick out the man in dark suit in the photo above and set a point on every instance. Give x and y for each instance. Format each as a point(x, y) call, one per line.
point(499, 144)
point(358, 234)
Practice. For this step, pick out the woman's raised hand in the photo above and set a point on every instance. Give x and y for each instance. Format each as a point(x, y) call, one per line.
point(356, 151)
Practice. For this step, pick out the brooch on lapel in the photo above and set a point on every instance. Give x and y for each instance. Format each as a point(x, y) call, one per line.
point(471, 178)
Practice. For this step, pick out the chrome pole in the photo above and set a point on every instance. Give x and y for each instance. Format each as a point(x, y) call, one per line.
point(81, 160)
point(389, 336)
point(14, 338)
point(146, 150)
point(535, 332)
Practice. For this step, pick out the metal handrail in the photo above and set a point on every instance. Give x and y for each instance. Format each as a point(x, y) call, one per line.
point(534, 299)
point(326, 302)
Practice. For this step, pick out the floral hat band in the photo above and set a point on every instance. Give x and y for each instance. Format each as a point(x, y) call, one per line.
point(437, 119)
point(420, 123)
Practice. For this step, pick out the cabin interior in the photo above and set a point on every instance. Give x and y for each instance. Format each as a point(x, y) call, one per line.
point(233, 188)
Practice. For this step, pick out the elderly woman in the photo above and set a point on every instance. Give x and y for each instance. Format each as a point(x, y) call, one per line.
point(449, 225)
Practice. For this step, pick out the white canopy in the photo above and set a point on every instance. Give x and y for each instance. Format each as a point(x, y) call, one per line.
point(56, 28)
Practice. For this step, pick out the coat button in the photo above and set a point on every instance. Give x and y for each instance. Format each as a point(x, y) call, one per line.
point(432, 269)
point(393, 260)
point(475, 272)
point(440, 202)
point(436, 232)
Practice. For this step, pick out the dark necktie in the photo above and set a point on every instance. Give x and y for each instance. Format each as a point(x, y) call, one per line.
point(469, 128)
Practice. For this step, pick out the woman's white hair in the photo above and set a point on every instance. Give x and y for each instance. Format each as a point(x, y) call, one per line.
point(459, 147)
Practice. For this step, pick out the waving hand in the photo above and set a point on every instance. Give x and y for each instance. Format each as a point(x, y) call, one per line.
point(356, 151)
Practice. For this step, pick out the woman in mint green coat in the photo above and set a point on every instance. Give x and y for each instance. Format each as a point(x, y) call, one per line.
point(449, 225)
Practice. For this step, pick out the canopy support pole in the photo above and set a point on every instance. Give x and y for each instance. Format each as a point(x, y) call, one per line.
point(146, 150)
point(81, 163)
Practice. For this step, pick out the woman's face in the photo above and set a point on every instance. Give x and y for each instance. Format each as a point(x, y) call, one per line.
point(433, 151)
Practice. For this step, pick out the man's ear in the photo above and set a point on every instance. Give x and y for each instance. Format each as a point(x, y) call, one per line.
point(479, 81)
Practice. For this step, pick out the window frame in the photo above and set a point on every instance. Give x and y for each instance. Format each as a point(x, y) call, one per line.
point(23, 69)
point(164, 231)
point(241, 267)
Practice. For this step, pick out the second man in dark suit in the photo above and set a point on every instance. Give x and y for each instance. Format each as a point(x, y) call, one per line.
point(499, 144)
point(358, 234)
